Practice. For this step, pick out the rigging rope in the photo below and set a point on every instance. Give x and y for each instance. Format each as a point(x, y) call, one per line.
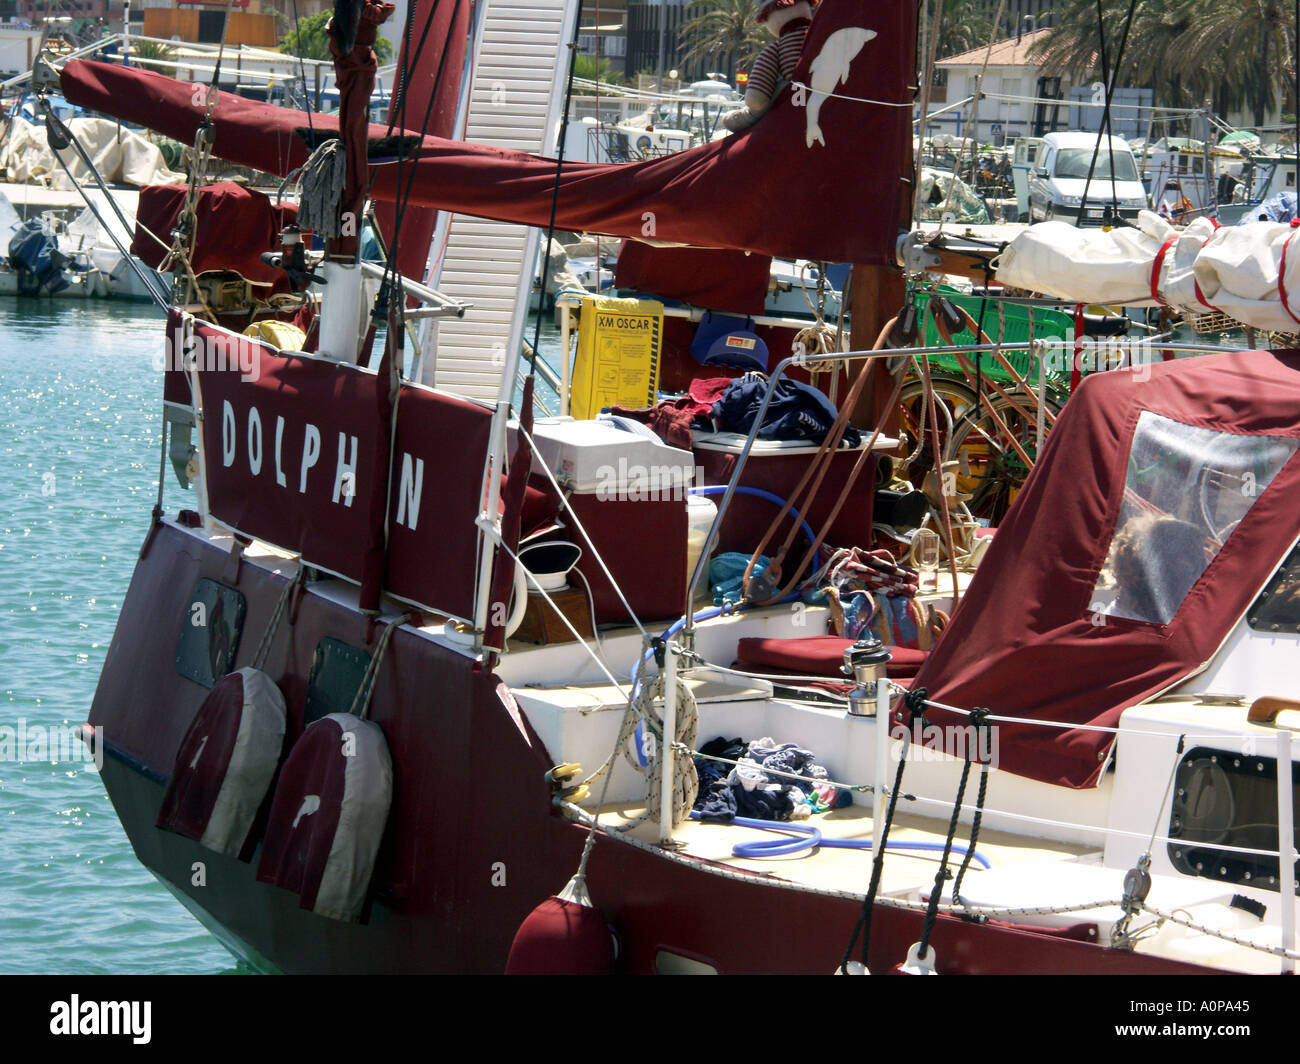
point(979, 719)
point(322, 178)
point(975, 100)
point(555, 190)
point(273, 625)
point(915, 702)
point(361, 701)
point(1104, 127)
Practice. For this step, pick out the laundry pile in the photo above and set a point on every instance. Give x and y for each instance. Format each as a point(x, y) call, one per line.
point(760, 786)
point(797, 411)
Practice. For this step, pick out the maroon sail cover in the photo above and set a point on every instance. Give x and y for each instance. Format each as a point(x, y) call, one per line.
point(287, 442)
point(819, 176)
point(233, 226)
point(703, 277)
point(1028, 639)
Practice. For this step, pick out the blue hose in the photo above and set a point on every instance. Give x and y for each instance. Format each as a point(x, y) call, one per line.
point(809, 837)
point(759, 493)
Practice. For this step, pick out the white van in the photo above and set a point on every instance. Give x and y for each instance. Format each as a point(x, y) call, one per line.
point(1060, 174)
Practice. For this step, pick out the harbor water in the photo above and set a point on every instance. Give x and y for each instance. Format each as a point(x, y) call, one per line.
point(79, 448)
point(79, 439)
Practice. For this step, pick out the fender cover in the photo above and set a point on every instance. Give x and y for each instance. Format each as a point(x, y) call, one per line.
point(328, 815)
point(226, 763)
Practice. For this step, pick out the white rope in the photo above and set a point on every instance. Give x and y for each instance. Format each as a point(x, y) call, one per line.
point(987, 912)
point(855, 99)
point(1191, 925)
point(361, 700)
point(686, 781)
point(273, 625)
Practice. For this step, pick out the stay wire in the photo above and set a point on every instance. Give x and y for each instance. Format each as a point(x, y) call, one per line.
point(1109, 78)
point(404, 192)
point(555, 188)
point(307, 102)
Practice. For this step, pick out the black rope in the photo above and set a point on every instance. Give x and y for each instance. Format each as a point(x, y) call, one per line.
point(1104, 127)
point(555, 193)
point(406, 63)
point(979, 355)
point(404, 194)
point(1110, 91)
point(914, 700)
point(943, 874)
point(979, 721)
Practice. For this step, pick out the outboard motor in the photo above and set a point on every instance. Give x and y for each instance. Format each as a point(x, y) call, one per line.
point(36, 258)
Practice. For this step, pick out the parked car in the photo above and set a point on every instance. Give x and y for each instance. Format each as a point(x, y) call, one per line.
point(1058, 183)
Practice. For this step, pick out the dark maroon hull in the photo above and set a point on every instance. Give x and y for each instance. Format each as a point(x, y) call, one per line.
point(470, 807)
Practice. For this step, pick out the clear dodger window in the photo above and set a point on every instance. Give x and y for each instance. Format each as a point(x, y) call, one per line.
point(1185, 491)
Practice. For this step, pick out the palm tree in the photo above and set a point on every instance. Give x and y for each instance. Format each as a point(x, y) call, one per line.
point(143, 51)
point(309, 39)
point(962, 27)
point(723, 35)
point(1187, 51)
point(1256, 41)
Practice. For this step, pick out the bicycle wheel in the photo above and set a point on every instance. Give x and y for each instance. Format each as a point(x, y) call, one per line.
point(991, 470)
point(952, 401)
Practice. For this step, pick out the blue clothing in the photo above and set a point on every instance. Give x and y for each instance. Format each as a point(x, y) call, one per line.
point(798, 411)
point(1279, 208)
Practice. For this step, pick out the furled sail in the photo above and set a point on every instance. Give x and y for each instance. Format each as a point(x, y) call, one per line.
point(1250, 272)
point(819, 176)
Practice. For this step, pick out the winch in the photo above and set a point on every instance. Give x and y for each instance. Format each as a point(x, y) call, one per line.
point(865, 661)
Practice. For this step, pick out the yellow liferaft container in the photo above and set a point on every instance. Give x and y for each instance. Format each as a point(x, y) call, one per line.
point(617, 361)
point(284, 336)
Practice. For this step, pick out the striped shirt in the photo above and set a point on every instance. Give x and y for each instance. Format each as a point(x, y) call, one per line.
point(776, 62)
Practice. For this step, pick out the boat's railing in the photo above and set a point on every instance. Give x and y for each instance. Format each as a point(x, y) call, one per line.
point(1285, 852)
point(187, 55)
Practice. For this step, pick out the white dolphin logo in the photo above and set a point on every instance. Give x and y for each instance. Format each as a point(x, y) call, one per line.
point(309, 805)
point(829, 71)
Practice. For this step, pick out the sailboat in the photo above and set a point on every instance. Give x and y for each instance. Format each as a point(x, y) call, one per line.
point(329, 737)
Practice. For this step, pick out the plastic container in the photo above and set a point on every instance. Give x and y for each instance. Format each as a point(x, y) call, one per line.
point(700, 515)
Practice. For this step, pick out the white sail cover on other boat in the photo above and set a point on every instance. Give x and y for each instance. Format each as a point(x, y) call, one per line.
point(1198, 269)
point(121, 156)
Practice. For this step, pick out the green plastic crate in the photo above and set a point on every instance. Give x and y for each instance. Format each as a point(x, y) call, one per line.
point(1048, 324)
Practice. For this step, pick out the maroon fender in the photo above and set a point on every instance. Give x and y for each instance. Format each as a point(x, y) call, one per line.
point(328, 816)
point(226, 763)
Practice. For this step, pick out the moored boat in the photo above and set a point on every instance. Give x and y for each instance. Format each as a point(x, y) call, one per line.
point(401, 663)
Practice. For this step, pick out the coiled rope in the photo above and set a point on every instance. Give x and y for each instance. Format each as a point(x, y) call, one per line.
point(323, 176)
point(686, 781)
